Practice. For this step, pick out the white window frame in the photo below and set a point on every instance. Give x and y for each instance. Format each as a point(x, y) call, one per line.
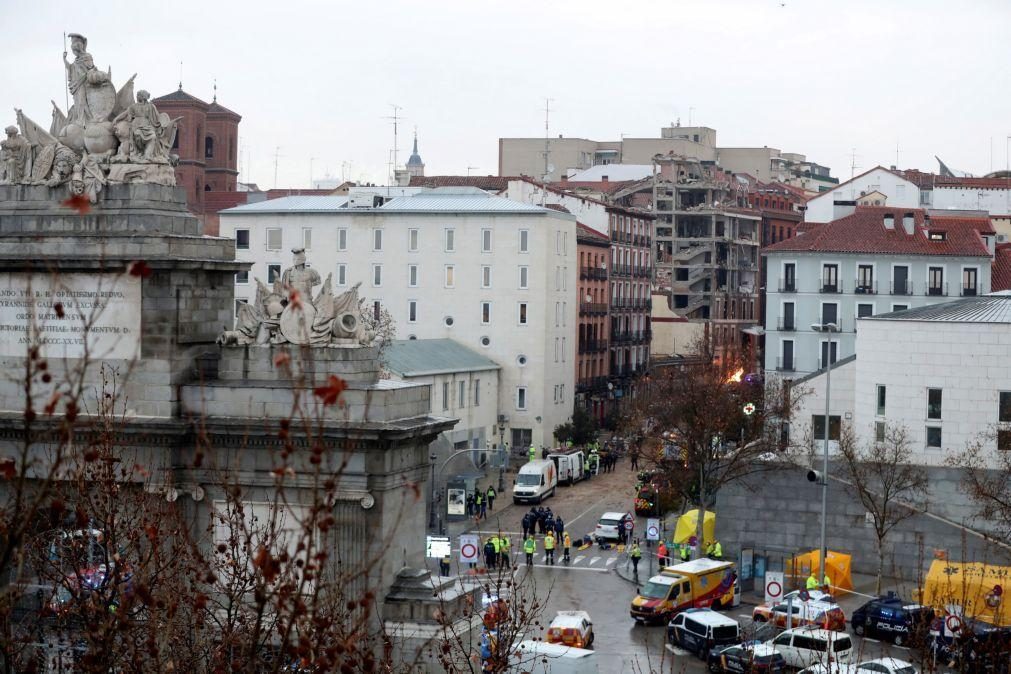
point(520, 399)
point(307, 238)
point(486, 279)
point(248, 239)
point(413, 238)
point(476, 388)
point(524, 241)
point(523, 277)
point(342, 238)
point(522, 313)
point(486, 241)
point(445, 396)
point(280, 238)
point(412, 276)
point(449, 240)
point(564, 349)
point(377, 267)
point(342, 274)
point(279, 271)
point(377, 239)
point(838, 311)
point(461, 394)
point(926, 405)
point(240, 282)
point(979, 279)
point(449, 276)
point(412, 306)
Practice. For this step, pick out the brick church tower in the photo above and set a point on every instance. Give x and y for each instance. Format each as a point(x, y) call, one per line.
point(207, 145)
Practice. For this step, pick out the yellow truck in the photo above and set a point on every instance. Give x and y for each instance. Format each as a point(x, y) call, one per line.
point(700, 583)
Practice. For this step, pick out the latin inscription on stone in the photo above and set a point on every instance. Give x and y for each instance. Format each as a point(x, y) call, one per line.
point(70, 315)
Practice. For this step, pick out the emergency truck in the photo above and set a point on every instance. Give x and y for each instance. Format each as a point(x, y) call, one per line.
point(700, 583)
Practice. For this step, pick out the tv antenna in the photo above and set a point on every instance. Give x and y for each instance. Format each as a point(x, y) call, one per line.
point(471, 168)
point(853, 163)
point(277, 156)
point(396, 118)
point(548, 168)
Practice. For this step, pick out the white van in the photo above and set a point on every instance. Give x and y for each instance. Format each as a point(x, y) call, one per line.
point(805, 646)
point(538, 657)
point(535, 482)
point(569, 464)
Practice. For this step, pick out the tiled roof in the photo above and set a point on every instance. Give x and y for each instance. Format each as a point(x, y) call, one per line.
point(296, 204)
point(179, 96)
point(297, 192)
point(216, 108)
point(461, 199)
point(994, 308)
point(900, 174)
point(972, 183)
point(1000, 273)
point(585, 232)
point(489, 183)
point(864, 232)
point(419, 357)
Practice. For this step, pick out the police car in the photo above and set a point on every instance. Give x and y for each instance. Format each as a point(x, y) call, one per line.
point(747, 658)
point(699, 630)
point(893, 618)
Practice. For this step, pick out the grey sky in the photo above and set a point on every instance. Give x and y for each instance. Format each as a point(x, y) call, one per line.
point(316, 78)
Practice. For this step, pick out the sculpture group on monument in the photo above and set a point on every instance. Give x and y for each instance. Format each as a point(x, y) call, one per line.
point(105, 137)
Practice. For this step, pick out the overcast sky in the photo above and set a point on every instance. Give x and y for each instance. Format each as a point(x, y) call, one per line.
point(316, 79)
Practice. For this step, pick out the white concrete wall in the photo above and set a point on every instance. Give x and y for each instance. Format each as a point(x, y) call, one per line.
point(994, 201)
point(593, 214)
point(967, 361)
point(811, 392)
point(547, 266)
point(901, 194)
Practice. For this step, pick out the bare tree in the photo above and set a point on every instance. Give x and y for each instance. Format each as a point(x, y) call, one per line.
point(987, 479)
point(704, 425)
point(889, 486)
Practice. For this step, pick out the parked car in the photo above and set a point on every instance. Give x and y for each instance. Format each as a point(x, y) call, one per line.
point(699, 630)
point(608, 526)
point(823, 614)
point(571, 628)
point(891, 617)
point(886, 666)
point(745, 659)
point(805, 646)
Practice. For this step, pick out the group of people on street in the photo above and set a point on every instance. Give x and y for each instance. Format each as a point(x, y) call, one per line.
point(541, 521)
point(551, 542)
point(497, 552)
point(480, 502)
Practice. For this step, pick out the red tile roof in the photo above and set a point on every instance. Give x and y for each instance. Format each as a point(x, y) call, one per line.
point(587, 232)
point(489, 183)
point(864, 232)
point(601, 186)
point(1000, 274)
point(973, 183)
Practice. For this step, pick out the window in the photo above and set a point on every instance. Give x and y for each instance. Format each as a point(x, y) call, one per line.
point(881, 400)
point(935, 281)
point(485, 276)
point(563, 349)
point(879, 431)
point(522, 309)
point(789, 282)
point(524, 240)
point(565, 244)
point(1004, 407)
point(242, 277)
point(558, 346)
point(865, 310)
point(818, 426)
point(521, 397)
point(899, 307)
point(412, 311)
point(558, 242)
point(830, 278)
point(933, 437)
point(445, 395)
point(477, 392)
point(377, 275)
point(485, 240)
point(377, 239)
point(485, 313)
point(307, 238)
point(412, 276)
point(242, 239)
point(969, 281)
point(900, 280)
point(450, 276)
point(274, 238)
point(933, 403)
point(412, 240)
point(830, 313)
point(450, 240)
point(342, 238)
point(342, 274)
point(786, 360)
point(462, 394)
point(789, 317)
point(524, 272)
point(825, 360)
point(865, 278)
point(273, 272)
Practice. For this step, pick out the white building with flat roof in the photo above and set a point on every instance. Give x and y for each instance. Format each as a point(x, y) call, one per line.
point(497, 276)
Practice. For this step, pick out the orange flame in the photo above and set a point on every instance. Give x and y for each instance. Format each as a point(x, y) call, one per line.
point(736, 377)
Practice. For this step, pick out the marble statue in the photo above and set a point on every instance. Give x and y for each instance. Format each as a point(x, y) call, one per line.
point(15, 158)
point(289, 314)
point(105, 137)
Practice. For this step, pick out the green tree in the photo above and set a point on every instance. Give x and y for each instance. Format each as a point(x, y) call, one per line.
point(581, 429)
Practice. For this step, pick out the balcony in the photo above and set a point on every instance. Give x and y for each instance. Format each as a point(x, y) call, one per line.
point(592, 309)
point(785, 364)
point(593, 274)
point(591, 385)
point(787, 285)
point(865, 287)
point(786, 324)
point(900, 288)
point(593, 346)
point(937, 289)
point(621, 270)
point(833, 288)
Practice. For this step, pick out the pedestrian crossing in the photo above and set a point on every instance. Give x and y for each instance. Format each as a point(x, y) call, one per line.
point(600, 560)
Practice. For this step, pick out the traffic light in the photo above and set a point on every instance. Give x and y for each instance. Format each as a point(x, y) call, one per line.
point(815, 476)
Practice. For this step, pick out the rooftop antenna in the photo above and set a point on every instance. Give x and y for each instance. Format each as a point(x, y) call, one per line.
point(311, 160)
point(853, 163)
point(897, 154)
point(180, 75)
point(471, 168)
point(215, 90)
point(396, 120)
point(277, 155)
point(548, 168)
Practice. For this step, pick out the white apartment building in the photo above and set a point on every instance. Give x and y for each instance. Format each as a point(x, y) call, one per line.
point(874, 261)
point(940, 371)
point(899, 193)
point(495, 275)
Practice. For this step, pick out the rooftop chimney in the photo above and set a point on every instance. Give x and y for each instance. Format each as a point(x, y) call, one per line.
point(908, 223)
point(603, 179)
point(889, 221)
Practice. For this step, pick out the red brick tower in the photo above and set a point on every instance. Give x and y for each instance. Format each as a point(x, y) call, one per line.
point(189, 144)
point(221, 148)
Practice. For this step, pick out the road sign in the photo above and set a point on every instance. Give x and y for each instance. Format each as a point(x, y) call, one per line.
point(469, 552)
point(749, 409)
point(953, 623)
point(773, 586)
point(652, 529)
point(629, 525)
point(437, 547)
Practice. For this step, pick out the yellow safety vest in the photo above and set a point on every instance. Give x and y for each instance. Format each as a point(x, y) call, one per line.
point(636, 553)
point(812, 582)
point(549, 542)
point(497, 543)
point(529, 545)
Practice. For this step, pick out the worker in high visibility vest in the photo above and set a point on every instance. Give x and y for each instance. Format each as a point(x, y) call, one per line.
point(533, 453)
point(530, 547)
point(549, 547)
point(566, 544)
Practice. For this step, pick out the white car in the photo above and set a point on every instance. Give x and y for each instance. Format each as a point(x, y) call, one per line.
point(805, 646)
point(887, 666)
point(608, 526)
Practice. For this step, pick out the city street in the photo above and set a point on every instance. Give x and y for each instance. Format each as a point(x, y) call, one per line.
point(591, 582)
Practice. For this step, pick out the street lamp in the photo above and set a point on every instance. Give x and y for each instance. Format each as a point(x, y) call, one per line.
point(828, 329)
point(504, 456)
point(432, 515)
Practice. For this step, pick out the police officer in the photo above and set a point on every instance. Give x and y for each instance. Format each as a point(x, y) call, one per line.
point(635, 554)
point(479, 504)
point(549, 547)
point(530, 547)
point(444, 566)
point(489, 553)
point(490, 495)
point(527, 524)
point(559, 526)
point(504, 551)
